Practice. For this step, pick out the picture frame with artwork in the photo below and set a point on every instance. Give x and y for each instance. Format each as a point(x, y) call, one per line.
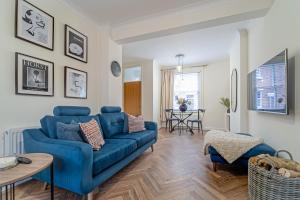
point(34, 25)
point(33, 76)
point(76, 82)
point(76, 44)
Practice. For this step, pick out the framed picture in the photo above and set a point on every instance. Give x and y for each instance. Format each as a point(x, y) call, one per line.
point(34, 76)
point(75, 83)
point(34, 25)
point(76, 44)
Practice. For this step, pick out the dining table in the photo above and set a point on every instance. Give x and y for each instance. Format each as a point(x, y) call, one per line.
point(182, 117)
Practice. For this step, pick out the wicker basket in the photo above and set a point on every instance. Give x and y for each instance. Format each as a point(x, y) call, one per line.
point(269, 185)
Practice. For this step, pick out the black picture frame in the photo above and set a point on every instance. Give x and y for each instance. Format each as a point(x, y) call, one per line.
point(81, 38)
point(21, 89)
point(67, 82)
point(30, 38)
point(234, 90)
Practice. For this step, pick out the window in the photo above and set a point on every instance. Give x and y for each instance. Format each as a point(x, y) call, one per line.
point(187, 85)
point(132, 74)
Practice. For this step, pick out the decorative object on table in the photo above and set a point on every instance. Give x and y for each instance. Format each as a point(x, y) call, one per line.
point(75, 83)
point(8, 162)
point(182, 102)
point(76, 44)
point(34, 25)
point(34, 76)
point(268, 178)
point(225, 102)
point(234, 90)
point(198, 121)
point(115, 68)
point(135, 124)
point(24, 160)
point(92, 133)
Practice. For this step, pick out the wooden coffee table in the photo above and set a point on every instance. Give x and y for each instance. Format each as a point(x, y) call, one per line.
point(9, 177)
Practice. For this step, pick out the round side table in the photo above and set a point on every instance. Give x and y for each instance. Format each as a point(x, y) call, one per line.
point(9, 177)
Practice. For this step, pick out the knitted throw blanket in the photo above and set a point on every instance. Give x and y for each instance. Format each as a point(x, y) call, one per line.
point(229, 145)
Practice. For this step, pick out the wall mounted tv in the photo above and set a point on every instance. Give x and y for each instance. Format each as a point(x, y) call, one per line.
point(267, 86)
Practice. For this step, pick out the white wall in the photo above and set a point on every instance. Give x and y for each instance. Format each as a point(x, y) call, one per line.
point(280, 29)
point(147, 89)
point(239, 61)
point(216, 85)
point(23, 111)
point(156, 91)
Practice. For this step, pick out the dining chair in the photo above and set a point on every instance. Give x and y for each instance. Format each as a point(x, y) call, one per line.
point(169, 119)
point(199, 120)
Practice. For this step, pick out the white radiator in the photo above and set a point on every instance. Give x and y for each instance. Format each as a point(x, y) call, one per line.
point(11, 141)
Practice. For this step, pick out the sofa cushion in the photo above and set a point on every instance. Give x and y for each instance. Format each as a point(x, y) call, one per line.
point(112, 123)
point(92, 134)
point(141, 137)
point(135, 124)
point(113, 151)
point(69, 132)
point(49, 123)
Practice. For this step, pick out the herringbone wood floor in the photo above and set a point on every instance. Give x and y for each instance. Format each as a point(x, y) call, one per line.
point(176, 170)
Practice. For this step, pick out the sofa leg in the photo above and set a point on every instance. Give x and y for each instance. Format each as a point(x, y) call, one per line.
point(215, 167)
point(152, 148)
point(45, 186)
point(90, 196)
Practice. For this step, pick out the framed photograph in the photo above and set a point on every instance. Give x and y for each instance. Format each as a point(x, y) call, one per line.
point(76, 44)
point(75, 83)
point(34, 76)
point(34, 25)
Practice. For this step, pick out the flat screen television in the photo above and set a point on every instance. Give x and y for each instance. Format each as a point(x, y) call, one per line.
point(267, 86)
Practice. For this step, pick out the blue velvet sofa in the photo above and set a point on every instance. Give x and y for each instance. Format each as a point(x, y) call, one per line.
point(77, 167)
point(216, 158)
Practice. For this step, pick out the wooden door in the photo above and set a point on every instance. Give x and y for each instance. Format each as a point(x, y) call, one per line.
point(133, 98)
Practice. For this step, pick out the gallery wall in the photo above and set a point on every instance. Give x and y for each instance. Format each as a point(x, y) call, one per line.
point(268, 36)
point(24, 111)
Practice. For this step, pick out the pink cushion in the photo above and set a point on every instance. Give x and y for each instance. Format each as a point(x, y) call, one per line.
point(91, 132)
point(135, 124)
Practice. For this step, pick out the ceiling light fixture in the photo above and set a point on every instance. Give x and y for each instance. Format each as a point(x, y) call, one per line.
point(180, 62)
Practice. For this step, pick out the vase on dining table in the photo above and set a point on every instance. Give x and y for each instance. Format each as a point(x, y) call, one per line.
point(183, 107)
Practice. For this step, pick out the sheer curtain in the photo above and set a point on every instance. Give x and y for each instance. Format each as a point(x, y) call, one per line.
point(167, 91)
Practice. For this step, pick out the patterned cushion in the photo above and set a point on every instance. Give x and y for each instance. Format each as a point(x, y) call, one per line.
point(91, 132)
point(135, 124)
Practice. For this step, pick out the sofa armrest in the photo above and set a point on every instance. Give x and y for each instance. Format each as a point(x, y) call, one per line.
point(73, 161)
point(151, 125)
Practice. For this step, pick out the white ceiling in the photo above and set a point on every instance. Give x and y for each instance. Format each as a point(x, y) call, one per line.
point(119, 11)
point(200, 47)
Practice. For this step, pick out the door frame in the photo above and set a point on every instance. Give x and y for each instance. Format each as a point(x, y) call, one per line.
point(123, 81)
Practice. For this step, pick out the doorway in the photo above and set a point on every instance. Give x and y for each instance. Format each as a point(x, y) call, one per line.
point(133, 90)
